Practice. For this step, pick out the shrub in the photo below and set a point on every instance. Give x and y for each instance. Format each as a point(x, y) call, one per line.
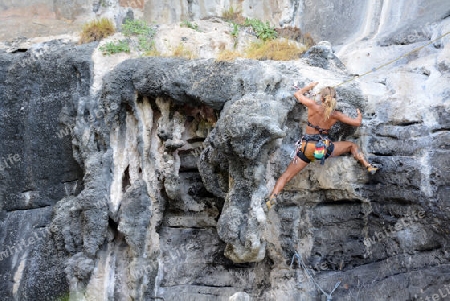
point(262, 30)
point(189, 25)
point(235, 31)
point(235, 34)
point(96, 30)
point(291, 33)
point(115, 47)
point(307, 40)
point(144, 33)
point(233, 15)
point(294, 33)
point(137, 28)
point(145, 45)
point(133, 28)
point(277, 50)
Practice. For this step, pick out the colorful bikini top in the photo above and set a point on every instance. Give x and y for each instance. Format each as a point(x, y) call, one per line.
point(321, 130)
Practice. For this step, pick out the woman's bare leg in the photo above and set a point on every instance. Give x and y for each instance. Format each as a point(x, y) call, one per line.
point(343, 147)
point(290, 172)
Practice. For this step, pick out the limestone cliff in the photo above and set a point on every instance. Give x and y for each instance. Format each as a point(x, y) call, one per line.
point(337, 21)
point(142, 178)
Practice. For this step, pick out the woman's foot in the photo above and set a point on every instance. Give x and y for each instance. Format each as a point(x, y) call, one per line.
point(371, 169)
point(272, 201)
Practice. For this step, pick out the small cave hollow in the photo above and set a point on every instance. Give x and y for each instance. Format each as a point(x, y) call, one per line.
point(126, 179)
point(199, 122)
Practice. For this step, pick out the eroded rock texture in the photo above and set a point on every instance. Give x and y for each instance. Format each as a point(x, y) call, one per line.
point(151, 187)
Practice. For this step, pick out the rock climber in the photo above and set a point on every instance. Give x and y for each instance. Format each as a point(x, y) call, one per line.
point(315, 144)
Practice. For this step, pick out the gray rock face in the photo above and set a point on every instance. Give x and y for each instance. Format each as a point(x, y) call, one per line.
point(38, 168)
point(152, 188)
point(322, 55)
point(399, 22)
point(395, 22)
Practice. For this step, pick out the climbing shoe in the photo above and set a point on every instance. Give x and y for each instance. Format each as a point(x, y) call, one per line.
point(372, 169)
point(271, 201)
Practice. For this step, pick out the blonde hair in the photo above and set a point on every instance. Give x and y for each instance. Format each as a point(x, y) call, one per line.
point(328, 97)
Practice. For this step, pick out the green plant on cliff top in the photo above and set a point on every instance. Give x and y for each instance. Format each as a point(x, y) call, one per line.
point(96, 30)
point(189, 25)
point(235, 31)
point(262, 30)
point(137, 28)
point(133, 29)
point(115, 47)
point(145, 44)
point(235, 34)
point(144, 33)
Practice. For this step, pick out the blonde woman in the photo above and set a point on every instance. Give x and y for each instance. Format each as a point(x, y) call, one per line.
point(315, 144)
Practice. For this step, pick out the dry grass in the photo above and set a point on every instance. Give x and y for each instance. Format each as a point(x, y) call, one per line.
point(295, 33)
point(96, 30)
point(276, 50)
point(152, 52)
point(308, 40)
point(228, 55)
point(233, 15)
point(182, 51)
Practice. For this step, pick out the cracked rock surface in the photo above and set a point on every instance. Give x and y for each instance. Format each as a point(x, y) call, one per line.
point(151, 185)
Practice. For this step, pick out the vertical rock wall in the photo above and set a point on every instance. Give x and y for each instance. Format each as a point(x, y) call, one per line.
point(149, 184)
point(38, 90)
point(173, 159)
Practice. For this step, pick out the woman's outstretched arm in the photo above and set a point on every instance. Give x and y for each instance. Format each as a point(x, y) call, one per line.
point(348, 120)
point(302, 98)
